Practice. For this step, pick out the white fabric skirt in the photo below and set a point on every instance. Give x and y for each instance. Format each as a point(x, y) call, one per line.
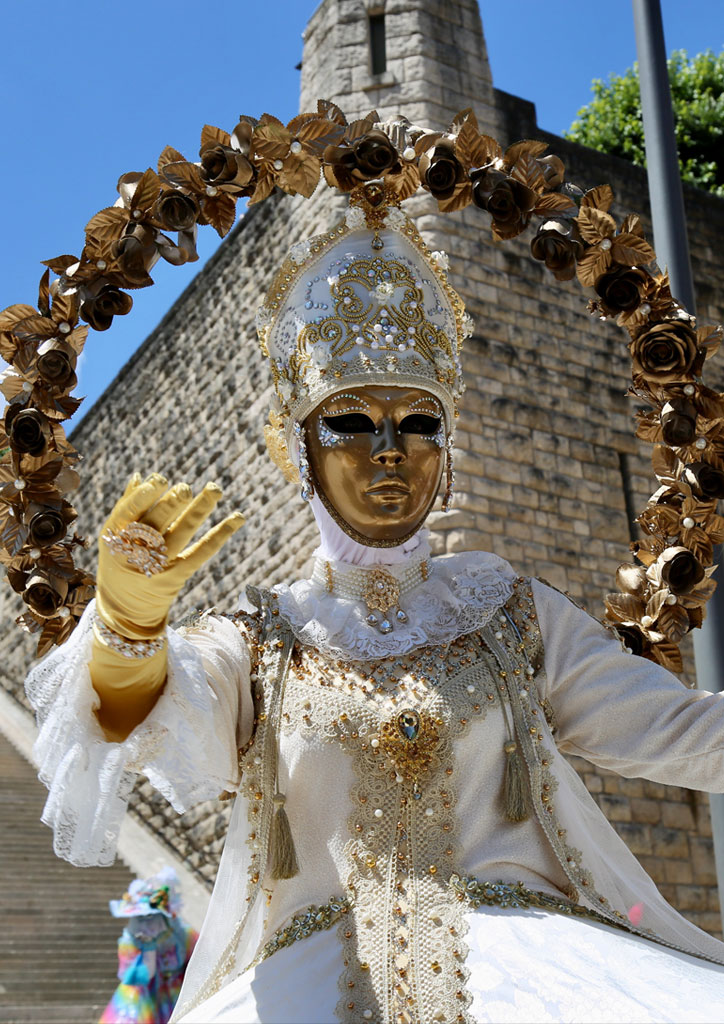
point(526, 967)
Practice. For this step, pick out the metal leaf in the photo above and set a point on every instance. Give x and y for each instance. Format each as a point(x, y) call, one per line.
point(595, 225)
point(332, 112)
point(220, 211)
point(551, 202)
point(211, 136)
point(147, 191)
point(600, 198)
point(44, 294)
point(107, 224)
point(527, 147)
point(169, 155)
point(632, 250)
point(590, 267)
point(668, 656)
point(665, 463)
point(184, 175)
point(271, 141)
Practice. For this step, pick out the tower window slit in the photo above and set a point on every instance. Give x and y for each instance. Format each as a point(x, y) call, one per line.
point(378, 49)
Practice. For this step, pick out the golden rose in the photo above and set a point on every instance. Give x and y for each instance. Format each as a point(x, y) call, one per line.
point(680, 570)
point(56, 363)
point(553, 170)
point(99, 310)
point(176, 210)
point(632, 637)
point(621, 290)
point(664, 351)
point(46, 527)
point(558, 244)
point(374, 154)
point(509, 202)
point(705, 481)
point(45, 593)
point(678, 422)
point(135, 252)
point(27, 430)
point(440, 170)
point(226, 169)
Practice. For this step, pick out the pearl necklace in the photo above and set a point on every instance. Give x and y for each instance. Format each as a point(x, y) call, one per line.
point(379, 587)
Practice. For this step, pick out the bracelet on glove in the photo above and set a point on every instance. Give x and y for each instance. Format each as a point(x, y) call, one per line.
point(122, 645)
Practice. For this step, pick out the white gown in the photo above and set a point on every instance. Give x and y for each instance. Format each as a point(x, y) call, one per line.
point(360, 839)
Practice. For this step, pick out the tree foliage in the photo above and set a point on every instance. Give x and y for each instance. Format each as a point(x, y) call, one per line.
point(612, 122)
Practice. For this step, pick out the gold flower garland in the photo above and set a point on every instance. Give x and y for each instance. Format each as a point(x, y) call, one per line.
point(659, 600)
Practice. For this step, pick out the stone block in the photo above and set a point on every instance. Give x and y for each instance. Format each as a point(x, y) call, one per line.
point(676, 815)
point(648, 811)
point(638, 838)
point(691, 897)
point(669, 842)
point(616, 808)
point(702, 860)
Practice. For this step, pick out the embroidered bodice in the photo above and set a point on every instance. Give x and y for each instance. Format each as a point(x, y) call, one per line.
point(377, 757)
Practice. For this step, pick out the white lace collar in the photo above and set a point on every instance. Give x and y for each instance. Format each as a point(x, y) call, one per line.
point(461, 594)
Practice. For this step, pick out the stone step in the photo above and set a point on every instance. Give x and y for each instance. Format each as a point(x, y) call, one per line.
point(50, 1013)
point(58, 940)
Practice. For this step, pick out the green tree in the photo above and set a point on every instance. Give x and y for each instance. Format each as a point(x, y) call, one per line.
point(612, 121)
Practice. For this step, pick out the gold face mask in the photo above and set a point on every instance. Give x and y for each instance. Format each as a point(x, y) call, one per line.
point(376, 455)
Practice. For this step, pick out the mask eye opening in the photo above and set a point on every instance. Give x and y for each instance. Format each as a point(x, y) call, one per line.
point(349, 423)
point(420, 423)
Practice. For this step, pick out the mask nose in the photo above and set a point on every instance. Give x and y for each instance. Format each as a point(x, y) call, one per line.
point(387, 449)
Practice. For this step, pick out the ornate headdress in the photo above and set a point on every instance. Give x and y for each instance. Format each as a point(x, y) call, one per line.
point(366, 303)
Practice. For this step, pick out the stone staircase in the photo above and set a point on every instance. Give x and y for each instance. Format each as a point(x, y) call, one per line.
point(57, 937)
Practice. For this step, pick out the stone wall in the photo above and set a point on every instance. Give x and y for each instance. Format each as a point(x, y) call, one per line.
point(545, 443)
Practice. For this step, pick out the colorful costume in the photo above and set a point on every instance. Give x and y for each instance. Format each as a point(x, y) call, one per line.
point(153, 952)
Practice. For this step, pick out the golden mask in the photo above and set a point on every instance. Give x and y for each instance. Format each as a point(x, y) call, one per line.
point(376, 456)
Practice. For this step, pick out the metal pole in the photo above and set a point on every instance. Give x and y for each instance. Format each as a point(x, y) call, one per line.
point(672, 249)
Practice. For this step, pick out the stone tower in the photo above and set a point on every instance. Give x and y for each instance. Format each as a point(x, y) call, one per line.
point(548, 470)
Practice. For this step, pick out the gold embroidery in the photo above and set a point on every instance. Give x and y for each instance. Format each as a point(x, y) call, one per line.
point(270, 644)
point(518, 897)
point(314, 919)
point(405, 918)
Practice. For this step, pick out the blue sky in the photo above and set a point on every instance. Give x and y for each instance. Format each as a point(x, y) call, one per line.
point(92, 89)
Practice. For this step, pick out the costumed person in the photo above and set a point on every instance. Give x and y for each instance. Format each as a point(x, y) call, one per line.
point(407, 842)
point(153, 951)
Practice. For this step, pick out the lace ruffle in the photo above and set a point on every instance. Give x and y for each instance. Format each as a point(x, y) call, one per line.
point(461, 595)
point(89, 779)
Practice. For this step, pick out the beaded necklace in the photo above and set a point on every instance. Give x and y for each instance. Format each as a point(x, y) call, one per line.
point(381, 589)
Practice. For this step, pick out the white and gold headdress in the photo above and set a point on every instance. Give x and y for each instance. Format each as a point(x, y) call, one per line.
point(366, 303)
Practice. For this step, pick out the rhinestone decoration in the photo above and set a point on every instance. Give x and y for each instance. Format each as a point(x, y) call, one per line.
point(143, 547)
point(128, 648)
point(409, 741)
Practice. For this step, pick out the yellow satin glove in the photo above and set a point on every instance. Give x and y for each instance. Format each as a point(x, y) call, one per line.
point(135, 606)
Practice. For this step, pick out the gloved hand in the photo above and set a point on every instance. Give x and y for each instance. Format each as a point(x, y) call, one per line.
point(135, 605)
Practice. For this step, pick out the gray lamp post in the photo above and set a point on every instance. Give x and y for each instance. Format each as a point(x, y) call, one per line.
point(672, 249)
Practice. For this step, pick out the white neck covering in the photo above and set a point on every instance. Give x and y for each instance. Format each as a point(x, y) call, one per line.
point(336, 546)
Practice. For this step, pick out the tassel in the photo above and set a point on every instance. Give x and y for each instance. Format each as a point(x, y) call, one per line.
point(516, 790)
point(283, 855)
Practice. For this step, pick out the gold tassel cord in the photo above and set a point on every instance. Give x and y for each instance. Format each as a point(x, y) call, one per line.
point(284, 862)
point(516, 792)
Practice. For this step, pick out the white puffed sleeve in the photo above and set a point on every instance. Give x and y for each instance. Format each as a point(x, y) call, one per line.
point(186, 747)
point(622, 712)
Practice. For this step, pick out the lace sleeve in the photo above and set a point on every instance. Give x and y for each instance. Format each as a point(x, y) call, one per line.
point(186, 746)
